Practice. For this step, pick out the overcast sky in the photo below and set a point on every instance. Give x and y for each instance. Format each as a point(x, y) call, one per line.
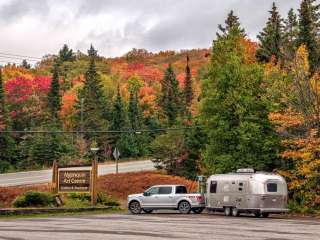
point(39, 27)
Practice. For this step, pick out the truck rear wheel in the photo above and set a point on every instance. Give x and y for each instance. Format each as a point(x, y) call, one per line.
point(134, 207)
point(227, 211)
point(184, 207)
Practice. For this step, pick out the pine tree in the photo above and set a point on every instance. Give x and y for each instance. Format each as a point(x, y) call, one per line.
point(188, 92)
point(309, 23)
point(239, 131)
point(94, 102)
point(7, 144)
point(54, 96)
point(25, 64)
point(66, 54)
point(271, 37)
point(170, 99)
point(231, 22)
point(290, 35)
point(92, 52)
point(118, 113)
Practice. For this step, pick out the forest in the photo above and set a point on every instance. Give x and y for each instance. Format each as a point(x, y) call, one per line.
point(240, 103)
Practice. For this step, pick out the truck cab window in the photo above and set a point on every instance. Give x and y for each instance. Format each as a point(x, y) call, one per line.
point(213, 186)
point(165, 190)
point(153, 191)
point(181, 190)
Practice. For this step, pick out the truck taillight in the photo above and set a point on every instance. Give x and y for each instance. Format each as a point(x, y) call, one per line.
point(200, 198)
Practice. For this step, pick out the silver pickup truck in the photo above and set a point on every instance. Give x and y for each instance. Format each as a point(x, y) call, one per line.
point(166, 197)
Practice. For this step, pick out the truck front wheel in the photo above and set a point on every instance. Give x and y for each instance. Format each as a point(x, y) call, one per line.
point(134, 207)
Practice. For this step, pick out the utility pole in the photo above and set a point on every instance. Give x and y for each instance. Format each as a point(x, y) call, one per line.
point(81, 115)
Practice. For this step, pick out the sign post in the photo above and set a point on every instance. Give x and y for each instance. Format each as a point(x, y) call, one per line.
point(116, 155)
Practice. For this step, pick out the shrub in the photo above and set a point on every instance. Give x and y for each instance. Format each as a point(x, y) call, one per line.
point(34, 199)
point(80, 196)
point(107, 200)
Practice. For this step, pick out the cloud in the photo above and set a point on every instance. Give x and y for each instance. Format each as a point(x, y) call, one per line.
point(14, 10)
point(116, 26)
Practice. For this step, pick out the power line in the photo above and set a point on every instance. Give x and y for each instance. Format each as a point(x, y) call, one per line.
point(136, 131)
point(18, 58)
point(17, 55)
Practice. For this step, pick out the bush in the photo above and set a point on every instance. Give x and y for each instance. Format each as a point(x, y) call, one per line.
point(34, 199)
point(80, 196)
point(5, 166)
point(106, 200)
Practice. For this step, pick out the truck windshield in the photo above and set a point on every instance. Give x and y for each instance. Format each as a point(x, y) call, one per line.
point(181, 190)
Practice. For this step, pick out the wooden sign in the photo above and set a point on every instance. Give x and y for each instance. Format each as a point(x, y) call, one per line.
point(69, 179)
point(74, 181)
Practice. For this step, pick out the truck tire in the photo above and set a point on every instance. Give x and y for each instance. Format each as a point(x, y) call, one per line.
point(235, 212)
point(184, 207)
point(134, 207)
point(148, 211)
point(265, 215)
point(227, 211)
point(197, 210)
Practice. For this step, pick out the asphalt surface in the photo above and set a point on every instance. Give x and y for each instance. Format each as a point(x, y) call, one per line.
point(45, 176)
point(159, 226)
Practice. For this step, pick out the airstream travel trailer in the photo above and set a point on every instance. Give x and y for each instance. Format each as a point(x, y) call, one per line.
point(247, 191)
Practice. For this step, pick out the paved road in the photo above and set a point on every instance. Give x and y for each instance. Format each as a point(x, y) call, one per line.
point(44, 176)
point(159, 226)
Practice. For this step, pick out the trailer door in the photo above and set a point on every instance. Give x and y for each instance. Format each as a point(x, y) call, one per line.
point(212, 189)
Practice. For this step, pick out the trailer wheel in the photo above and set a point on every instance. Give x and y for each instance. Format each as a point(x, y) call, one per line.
point(184, 207)
point(235, 212)
point(134, 207)
point(227, 211)
point(265, 215)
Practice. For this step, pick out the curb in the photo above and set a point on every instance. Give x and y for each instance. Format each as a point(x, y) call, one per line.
point(23, 211)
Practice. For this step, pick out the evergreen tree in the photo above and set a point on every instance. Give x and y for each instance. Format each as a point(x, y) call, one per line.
point(170, 99)
point(94, 114)
point(7, 143)
point(290, 35)
point(188, 92)
point(118, 121)
point(92, 52)
point(25, 64)
point(54, 96)
point(271, 37)
point(309, 23)
point(231, 22)
point(239, 131)
point(66, 54)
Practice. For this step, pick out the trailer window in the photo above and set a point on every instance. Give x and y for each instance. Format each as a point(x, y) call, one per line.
point(213, 186)
point(272, 187)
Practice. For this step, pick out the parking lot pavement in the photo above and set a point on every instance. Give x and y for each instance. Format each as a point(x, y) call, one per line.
point(159, 226)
